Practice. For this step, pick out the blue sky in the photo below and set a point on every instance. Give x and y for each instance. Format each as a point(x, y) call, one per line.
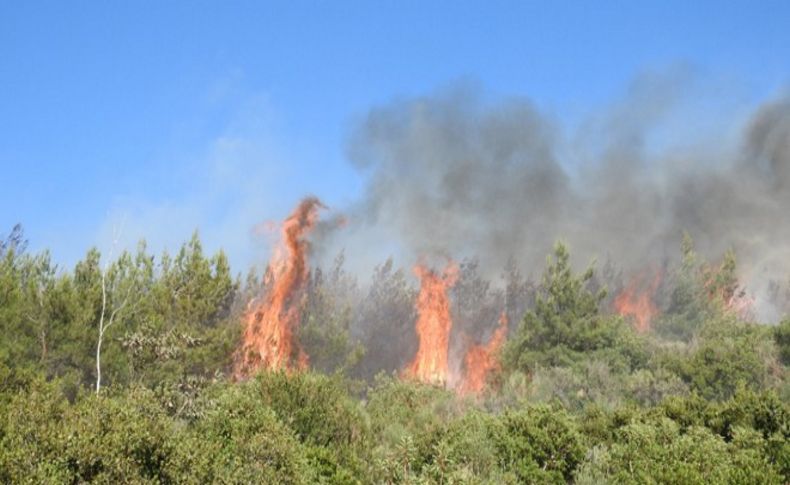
point(151, 119)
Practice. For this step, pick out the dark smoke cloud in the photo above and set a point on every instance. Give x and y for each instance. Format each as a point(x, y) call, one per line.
point(453, 174)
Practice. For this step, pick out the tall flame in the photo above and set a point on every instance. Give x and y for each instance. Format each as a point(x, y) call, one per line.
point(268, 341)
point(637, 301)
point(433, 326)
point(480, 360)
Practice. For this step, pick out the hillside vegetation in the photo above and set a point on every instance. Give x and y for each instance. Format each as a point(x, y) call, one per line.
point(579, 395)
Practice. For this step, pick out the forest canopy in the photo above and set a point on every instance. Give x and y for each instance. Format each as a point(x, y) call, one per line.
point(575, 393)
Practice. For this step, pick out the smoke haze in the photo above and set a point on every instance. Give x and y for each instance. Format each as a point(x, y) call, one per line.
point(455, 175)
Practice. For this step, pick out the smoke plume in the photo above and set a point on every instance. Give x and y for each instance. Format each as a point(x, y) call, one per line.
point(455, 175)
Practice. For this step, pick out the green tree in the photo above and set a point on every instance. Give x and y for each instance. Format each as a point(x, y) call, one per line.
point(327, 316)
point(565, 325)
point(782, 338)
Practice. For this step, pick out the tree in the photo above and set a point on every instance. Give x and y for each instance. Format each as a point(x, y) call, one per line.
point(15, 241)
point(782, 338)
point(565, 325)
point(120, 291)
point(195, 291)
point(327, 315)
point(26, 283)
point(386, 319)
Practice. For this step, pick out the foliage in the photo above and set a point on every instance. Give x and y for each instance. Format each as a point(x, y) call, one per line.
point(325, 331)
point(238, 440)
point(782, 337)
point(580, 397)
point(657, 451)
point(566, 327)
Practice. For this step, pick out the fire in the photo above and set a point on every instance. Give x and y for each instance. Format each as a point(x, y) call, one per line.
point(480, 360)
point(740, 304)
point(637, 300)
point(268, 341)
point(723, 288)
point(433, 324)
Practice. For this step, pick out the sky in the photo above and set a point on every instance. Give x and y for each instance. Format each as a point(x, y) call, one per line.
point(129, 120)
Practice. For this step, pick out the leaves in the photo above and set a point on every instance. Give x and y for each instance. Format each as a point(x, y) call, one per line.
point(581, 398)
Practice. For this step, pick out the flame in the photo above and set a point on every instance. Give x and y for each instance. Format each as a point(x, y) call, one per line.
point(480, 360)
point(433, 325)
point(637, 301)
point(741, 304)
point(268, 341)
point(732, 296)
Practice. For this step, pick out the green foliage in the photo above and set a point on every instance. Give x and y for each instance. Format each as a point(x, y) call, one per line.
point(467, 449)
point(762, 413)
point(238, 440)
point(700, 293)
point(727, 354)
point(429, 438)
point(323, 416)
point(406, 417)
point(565, 327)
point(538, 444)
point(98, 438)
point(325, 330)
point(782, 338)
point(657, 451)
point(387, 316)
point(195, 290)
point(688, 306)
point(580, 398)
point(307, 428)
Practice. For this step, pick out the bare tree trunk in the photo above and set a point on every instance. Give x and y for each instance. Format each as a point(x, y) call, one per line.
point(106, 321)
point(101, 326)
point(98, 363)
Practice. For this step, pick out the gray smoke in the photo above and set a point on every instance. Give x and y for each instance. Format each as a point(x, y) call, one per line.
point(452, 174)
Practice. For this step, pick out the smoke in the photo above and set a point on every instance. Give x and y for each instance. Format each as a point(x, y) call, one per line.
point(454, 174)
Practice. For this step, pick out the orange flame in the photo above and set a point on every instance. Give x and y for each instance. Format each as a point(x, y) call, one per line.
point(741, 305)
point(733, 297)
point(268, 341)
point(637, 301)
point(480, 360)
point(433, 325)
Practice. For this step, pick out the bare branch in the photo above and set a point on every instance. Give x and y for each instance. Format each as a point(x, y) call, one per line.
point(102, 326)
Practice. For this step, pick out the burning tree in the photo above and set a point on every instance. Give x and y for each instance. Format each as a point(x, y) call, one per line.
point(481, 359)
point(268, 341)
point(433, 324)
point(637, 300)
point(701, 292)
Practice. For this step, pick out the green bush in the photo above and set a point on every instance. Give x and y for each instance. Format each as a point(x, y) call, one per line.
point(538, 444)
point(98, 438)
point(238, 440)
point(657, 451)
point(323, 415)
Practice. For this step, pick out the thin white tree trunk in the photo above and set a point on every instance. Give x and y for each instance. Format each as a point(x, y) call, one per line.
point(101, 328)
